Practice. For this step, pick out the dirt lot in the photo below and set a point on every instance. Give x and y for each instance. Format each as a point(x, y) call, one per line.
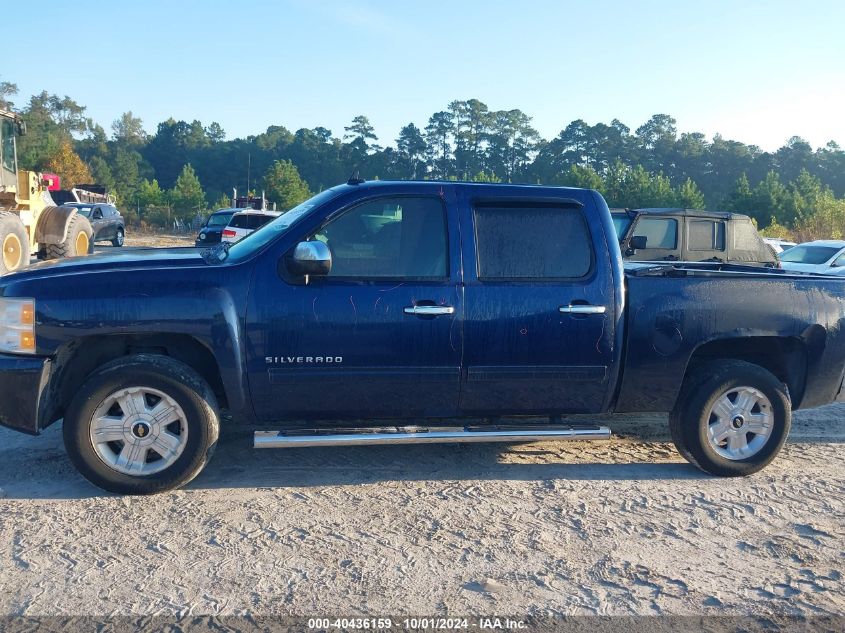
point(619, 527)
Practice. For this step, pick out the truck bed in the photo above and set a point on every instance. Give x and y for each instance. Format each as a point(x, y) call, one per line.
point(688, 312)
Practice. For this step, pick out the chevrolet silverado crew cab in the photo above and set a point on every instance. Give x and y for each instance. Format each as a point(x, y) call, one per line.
point(410, 305)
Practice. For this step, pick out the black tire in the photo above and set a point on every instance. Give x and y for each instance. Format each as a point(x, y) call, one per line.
point(164, 374)
point(14, 243)
point(77, 226)
point(690, 421)
point(117, 242)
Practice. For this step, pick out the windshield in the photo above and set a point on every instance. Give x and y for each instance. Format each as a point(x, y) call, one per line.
point(219, 219)
point(263, 236)
point(621, 224)
point(84, 211)
point(809, 254)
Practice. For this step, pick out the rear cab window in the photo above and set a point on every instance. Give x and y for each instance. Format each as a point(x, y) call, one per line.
point(525, 241)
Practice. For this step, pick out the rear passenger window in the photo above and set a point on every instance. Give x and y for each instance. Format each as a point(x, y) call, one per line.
point(661, 232)
point(532, 242)
point(706, 235)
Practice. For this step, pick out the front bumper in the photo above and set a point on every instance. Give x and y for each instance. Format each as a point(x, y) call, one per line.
point(210, 239)
point(23, 383)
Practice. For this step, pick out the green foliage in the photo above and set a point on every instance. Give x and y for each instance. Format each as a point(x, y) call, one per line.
point(150, 194)
point(7, 89)
point(187, 197)
point(223, 202)
point(128, 130)
point(655, 165)
point(583, 176)
point(284, 185)
point(484, 177)
point(827, 219)
point(741, 198)
point(776, 230)
point(688, 196)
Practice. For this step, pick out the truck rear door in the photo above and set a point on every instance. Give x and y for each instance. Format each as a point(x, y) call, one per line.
point(539, 303)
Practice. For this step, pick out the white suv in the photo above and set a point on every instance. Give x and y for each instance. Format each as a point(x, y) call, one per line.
point(245, 222)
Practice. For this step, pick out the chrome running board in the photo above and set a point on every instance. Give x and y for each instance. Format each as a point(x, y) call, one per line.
point(423, 435)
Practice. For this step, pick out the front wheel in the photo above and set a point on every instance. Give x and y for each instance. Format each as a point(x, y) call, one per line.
point(79, 240)
point(141, 425)
point(732, 418)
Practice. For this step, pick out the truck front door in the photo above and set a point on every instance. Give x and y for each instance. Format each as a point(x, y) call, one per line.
point(381, 335)
point(540, 307)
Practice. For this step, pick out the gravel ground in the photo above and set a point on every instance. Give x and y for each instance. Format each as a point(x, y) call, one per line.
point(618, 527)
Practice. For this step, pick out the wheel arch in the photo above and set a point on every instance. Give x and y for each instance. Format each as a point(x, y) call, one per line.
point(785, 357)
point(77, 360)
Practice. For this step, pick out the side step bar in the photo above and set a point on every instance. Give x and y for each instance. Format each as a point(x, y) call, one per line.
point(422, 435)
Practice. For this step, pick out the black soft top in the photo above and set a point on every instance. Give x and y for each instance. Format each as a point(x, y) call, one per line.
point(696, 213)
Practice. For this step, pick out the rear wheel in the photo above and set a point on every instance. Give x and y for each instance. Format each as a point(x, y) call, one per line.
point(732, 418)
point(14, 243)
point(79, 240)
point(141, 425)
point(118, 238)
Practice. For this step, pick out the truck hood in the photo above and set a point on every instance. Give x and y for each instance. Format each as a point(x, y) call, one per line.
point(136, 258)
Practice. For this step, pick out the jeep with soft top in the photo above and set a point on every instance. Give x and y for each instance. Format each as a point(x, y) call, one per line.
point(432, 312)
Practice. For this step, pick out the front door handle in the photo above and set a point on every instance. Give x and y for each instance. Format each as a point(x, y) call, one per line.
point(429, 310)
point(583, 309)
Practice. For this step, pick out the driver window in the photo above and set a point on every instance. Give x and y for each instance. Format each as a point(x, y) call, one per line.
point(98, 214)
point(392, 238)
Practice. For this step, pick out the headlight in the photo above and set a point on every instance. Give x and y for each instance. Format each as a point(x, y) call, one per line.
point(17, 325)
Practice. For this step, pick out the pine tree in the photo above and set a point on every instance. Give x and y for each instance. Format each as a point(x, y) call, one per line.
point(284, 185)
point(187, 196)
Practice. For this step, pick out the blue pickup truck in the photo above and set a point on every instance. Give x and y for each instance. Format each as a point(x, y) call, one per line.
point(384, 312)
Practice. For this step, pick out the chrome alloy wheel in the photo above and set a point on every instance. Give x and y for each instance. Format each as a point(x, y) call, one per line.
point(741, 422)
point(139, 431)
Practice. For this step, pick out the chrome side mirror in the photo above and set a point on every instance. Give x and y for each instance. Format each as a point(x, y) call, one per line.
point(310, 259)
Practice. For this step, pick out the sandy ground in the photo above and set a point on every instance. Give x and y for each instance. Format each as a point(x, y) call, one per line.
point(147, 240)
point(616, 527)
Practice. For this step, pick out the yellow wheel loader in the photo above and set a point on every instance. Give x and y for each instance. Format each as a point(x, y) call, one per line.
point(30, 221)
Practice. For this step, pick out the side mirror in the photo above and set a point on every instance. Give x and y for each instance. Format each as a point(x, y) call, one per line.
point(638, 242)
point(310, 259)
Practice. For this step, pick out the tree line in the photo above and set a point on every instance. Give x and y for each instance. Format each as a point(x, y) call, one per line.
point(185, 167)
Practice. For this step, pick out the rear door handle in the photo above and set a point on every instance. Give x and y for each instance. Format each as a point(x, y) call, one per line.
point(583, 309)
point(429, 310)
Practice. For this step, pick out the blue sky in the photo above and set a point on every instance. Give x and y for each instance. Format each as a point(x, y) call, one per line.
point(755, 71)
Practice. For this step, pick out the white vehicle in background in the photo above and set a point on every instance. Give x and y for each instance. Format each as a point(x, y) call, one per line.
point(820, 256)
point(245, 222)
point(778, 245)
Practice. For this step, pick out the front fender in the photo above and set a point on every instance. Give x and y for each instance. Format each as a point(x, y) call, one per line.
point(52, 225)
